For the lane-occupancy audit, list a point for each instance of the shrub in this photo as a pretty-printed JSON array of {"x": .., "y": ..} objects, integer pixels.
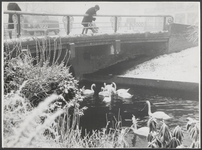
[
  {"x": 41, "y": 103},
  {"x": 193, "y": 33},
  {"x": 27, "y": 85}
]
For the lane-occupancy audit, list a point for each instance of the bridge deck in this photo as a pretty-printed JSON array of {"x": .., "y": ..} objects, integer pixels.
[{"x": 94, "y": 39}]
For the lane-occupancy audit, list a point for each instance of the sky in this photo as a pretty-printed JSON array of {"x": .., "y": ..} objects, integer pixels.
[
  {"x": 81, "y": 7},
  {"x": 106, "y": 8}
]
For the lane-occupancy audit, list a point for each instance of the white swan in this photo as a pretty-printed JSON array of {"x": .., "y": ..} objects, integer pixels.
[
  {"x": 104, "y": 92},
  {"x": 120, "y": 90},
  {"x": 108, "y": 87},
  {"x": 124, "y": 95},
  {"x": 143, "y": 131},
  {"x": 107, "y": 99},
  {"x": 191, "y": 120},
  {"x": 157, "y": 114},
  {"x": 89, "y": 92}
]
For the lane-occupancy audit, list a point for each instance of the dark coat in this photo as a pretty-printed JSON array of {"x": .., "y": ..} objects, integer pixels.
[
  {"x": 13, "y": 7},
  {"x": 91, "y": 12}
]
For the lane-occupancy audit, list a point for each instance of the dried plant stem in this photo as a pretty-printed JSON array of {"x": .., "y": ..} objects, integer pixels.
[
  {"x": 46, "y": 123},
  {"x": 55, "y": 50},
  {"x": 37, "y": 52},
  {"x": 29, "y": 120},
  {"x": 59, "y": 51},
  {"x": 66, "y": 52},
  {"x": 68, "y": 58}
]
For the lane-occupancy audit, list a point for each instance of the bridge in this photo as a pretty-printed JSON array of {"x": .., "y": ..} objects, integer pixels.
[{"x": 120, "y": 37}]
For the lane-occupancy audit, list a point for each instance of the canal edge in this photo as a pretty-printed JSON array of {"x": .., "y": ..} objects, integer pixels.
[{"x": 155, "y": 83}]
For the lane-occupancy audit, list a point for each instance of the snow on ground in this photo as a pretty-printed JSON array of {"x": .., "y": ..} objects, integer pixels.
[{"x": 181, "y": 66}]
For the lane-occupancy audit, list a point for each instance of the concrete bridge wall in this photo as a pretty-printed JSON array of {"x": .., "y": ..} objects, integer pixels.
[
  {"x": 88, "y": 54},
  {"x": 93, "y": 58}
]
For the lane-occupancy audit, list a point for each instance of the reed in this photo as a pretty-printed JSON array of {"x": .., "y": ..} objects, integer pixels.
[{"x": 24, "y": 130}]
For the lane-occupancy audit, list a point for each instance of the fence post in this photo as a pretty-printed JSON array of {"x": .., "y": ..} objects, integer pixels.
[
  {"x": 68, "y": 25},
  {"x": 115, "y": 24},
  {"x": 164, "y": 23},
  {"x": 18, "y": 26}
]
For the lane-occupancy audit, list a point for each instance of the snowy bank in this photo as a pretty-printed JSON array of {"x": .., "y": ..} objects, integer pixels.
[{"x": 181, "y": 66}]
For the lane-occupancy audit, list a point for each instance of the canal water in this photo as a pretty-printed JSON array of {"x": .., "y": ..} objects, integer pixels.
[{"x": 177, "y": 104}]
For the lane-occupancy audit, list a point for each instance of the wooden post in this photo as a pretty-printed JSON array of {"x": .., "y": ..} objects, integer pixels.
[
  {"x": 68, "y": 25},
  {"x": 115, "y": 24},
  {"x": 164, "y": 23},
  {"x": 168, "y": 46},
  {"x": 18, "y": 26}
]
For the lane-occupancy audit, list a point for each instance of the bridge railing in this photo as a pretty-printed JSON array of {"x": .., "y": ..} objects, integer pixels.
[{"x": 28, "y": 24}]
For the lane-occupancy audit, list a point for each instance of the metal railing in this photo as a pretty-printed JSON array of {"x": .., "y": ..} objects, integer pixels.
[{"x": 65, "y": 24}]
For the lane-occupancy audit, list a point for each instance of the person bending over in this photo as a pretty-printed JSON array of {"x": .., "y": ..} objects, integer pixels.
[{"x": 88, "y": 19}]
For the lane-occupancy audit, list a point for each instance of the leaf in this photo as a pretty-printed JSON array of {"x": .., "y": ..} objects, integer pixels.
[
  {"x": 152, "y": 124},
  {"x": 174, "y": 142},
  {"x": 194, "y": 133},
  {"x": 150, "y": 137},
  {"x": 165, "y": 133},
  {"x": 178, "y": 133}
]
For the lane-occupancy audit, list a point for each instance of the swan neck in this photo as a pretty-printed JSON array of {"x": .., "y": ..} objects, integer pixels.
[
  {"x": 114, "y": 85},
  {"x": 149, "y": 108},
  {"x": 92, "y": 87}
]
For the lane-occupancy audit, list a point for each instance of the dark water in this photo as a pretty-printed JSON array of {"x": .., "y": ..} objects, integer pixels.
[{"x": 177, "y": 104}]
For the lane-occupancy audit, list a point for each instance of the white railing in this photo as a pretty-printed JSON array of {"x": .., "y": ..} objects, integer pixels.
[{"x": 28, "y": 24}]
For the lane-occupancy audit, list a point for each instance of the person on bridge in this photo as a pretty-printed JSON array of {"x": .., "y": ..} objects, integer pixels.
[
  {"x": 88, "y": 19},
  {"x": 13, "y": 7}
]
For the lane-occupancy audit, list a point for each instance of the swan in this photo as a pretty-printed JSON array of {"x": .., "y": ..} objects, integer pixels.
[
  {"x": 103, "y": 92},
  {"x": 108, "y": 87},
  {"x": 191, "y": 120},
  {"x": 120, "y": 90},
  {"x": 124, "y": 95},
  {"x": 157, "y": 114},
  {"x": 89, "y": 92},
  {"x": 107, "y": 99},
  {"x": 143, "y": 131}
]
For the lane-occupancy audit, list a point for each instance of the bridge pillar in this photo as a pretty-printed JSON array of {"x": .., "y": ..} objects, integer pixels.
[
  {"x": 72, "y": 49},
  {"x": 117, "y": 46}
]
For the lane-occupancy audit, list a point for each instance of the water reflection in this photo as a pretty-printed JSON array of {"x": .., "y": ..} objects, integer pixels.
[{"x": 176, "y": 104}]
